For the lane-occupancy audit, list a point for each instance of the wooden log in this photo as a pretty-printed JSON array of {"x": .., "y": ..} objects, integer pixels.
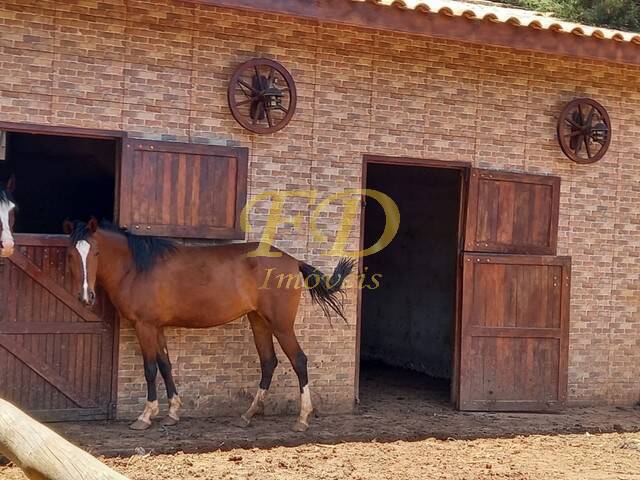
[{"x": 42, "y": 454}]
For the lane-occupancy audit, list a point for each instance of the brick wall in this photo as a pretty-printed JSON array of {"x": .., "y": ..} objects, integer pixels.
[{"x": 160, "y": 70}]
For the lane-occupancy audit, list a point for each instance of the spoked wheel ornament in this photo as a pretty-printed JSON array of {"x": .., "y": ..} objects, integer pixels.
[
  {"x": 262, "y": 96},
  {"x": 584, "y": 130}
]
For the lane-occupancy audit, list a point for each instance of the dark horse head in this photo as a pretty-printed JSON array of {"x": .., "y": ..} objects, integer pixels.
[{"x": 7, "y": 217}]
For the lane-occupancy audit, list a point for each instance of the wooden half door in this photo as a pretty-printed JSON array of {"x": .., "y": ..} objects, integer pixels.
[
  {"x": 514, "y": 320},
  {"x": 515, "y": 330},
  {"x": 56, "y": 356},
  {"x": 182, "y": 190},
  {"x": 512, "y": 213}
]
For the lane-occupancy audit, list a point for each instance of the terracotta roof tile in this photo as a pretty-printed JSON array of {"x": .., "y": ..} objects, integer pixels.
[{"x": 513, "y": 16}]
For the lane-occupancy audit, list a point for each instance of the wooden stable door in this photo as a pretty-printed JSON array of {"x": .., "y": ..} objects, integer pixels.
[
  {"x": 183, "y": 190},
  {"x": 514, "y": 322},
  {"x": 56, "y": 356},
  {"x": 514, "y": 332}
]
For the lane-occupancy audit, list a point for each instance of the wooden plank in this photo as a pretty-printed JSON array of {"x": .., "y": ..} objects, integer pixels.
[
  {"x": 167, "y": 189},
  {"x": 59, "y": 130},
  {"x": 36, "y": 274},
  {"x": 218, "y": 182},
  {"x": 125, "y": 181},
  {"x": 51, "y": 328},
  {"x": 508, "y": 259},
  {"x": 417, "y": 162},
  {"x": 206, "y": 193},
  {"x": 513, "y": 405},
  {"x": 512, "y": 213},
  {"x": 70, "y": 414},
  {"x": 231, "y": 187},
  {"x": 11, "y": 288},
  {"x": 186, "y": 231},
  {"x": 46, "y": 372},
  {"x": 181, "y": 188},
  {"x": 505, "y": 212},
  {"x": 514, "y": 332},
  {"x": 175, "y": 172},
  {"x": 565, "y": 309},
  {"x": 195, "y": 191}
]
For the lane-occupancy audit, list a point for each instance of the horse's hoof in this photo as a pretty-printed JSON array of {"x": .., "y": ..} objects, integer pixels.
[
  {"x": 241, "y": 422},
  {"x": 139, "y": 425},
  {"x": 169, "y": 421},
  {"x": 300, "y": 427}
]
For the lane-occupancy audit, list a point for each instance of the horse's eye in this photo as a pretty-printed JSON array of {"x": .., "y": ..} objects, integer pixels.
[{"x": 97, "y": 253}]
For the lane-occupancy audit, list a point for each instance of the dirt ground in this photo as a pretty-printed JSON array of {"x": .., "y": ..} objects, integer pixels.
[
  {"x": 575, "y": 457},
  {"x": 404, "y": 428}
]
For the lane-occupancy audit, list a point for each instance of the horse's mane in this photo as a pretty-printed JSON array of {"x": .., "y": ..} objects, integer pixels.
[{"x": 146, "y": 251}]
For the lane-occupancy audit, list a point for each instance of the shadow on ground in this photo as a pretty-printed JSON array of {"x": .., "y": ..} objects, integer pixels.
[{"x": 395, "y": 405}]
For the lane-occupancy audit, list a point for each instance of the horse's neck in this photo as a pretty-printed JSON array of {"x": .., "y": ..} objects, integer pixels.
[{"x": 115, "y": 262}]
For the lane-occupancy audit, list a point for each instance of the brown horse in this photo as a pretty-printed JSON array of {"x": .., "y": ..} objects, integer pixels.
[
  {"x": 155, "y": 284},
  {"x": 7, "y": 217}
]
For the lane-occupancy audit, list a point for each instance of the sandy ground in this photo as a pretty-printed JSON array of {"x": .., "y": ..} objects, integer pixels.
[
  {"x": 404, "y": 428},
  {"x": 579, "y": 457}
]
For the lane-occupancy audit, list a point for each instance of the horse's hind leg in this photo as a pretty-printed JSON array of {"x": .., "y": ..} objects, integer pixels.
[
  {"x": 289, "y": 343},
  {"x": 148, "y": 339},
  {"x": 164, "y": 365},
  {"x": 263, "y": 338}
]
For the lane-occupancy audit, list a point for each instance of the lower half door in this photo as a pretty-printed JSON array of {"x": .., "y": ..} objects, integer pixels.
[
  {"x": 514, "y": 332},
  {"x": 56, "y": 356}
]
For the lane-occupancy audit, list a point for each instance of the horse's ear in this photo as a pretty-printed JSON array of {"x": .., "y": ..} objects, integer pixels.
[
  {"x": 11, "y": 184},
  {"x": 92, "y": 224},
  {"x": 67, "y": 227}
]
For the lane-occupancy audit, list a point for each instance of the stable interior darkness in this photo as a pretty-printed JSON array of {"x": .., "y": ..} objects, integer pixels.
[
  {"x": 59, "y": 177},
  {"x": 408, "y": 321}
]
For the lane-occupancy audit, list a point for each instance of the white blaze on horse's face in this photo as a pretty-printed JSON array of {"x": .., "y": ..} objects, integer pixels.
[
  {"x": 6, "y": 238},
  {"x": 83, "y": 248}
]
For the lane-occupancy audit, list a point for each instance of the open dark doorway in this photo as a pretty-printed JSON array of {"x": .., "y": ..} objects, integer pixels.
[
  {"x": 407, "y": 324},
  {"x": 60, "y": 177},
  {"x": 61, "y": 172}
]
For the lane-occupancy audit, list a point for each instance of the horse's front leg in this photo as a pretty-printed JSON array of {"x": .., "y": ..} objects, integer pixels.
[
  {"x": 164, "y": 364},
  {"x": 148, "y": 339}
]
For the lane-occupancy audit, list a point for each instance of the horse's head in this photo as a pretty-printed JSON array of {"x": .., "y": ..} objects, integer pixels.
[
  {"x": 82, "y": 258},
  {"x": 7, "y": 217}
]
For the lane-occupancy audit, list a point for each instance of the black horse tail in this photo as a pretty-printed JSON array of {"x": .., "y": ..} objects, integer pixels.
[{"x": 326, "y": 291}]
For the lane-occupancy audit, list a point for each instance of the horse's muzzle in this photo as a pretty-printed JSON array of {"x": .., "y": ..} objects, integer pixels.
[
  {"x": 6, "y": 244},
  {"x": 89, "y": 300}
]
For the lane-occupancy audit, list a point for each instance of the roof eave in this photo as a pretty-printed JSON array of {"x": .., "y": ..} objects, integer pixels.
[{"x": 485, "y": 32}]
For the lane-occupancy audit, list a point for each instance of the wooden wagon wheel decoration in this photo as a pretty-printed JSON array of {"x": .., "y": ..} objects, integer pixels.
[
  {"x": 584, "y": 130},
  {"x": 262, "y": 95}
]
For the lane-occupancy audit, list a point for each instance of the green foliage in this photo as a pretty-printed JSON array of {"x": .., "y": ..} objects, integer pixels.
[{"x": 618, "y": 14}]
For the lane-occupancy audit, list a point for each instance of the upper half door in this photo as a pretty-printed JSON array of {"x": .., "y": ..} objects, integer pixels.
[
  {"x": 512, "y": 213},
  {"x": 514, "y": 332},
  {"x": 182, "y": 190}
]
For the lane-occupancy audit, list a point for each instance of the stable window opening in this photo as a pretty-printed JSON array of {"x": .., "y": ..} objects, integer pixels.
[{"x": 59, "y": 177}]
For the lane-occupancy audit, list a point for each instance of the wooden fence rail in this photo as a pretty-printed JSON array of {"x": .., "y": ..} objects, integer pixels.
[{"x": 42, "y": 454}]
